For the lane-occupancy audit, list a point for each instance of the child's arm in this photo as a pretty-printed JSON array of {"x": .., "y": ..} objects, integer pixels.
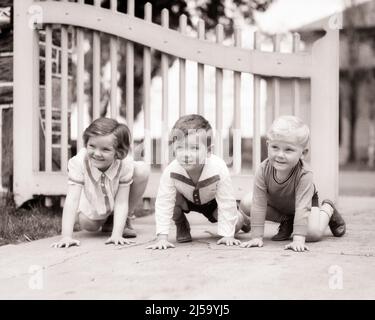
[
  {"x": 298, "y": 244},
  {"x": 226, "y": 208},
  {"x": 120, "y": 214},
  {"x": 258, "y": 211},
  {"x": 164, "y": 205},
  {"x": 255, "y": 242},
  {"x": 161, "y": 243},
  {"x": 304, "y": 193},
  {"x": 229, "y": 241},
  {"x": 69, "y": 217}
]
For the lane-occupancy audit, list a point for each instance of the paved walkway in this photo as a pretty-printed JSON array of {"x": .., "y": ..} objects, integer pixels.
[{"x": 336, "y": 268}]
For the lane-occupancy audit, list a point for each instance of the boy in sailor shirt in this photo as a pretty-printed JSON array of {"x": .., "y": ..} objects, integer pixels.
[{"x": 198, "y": 181}]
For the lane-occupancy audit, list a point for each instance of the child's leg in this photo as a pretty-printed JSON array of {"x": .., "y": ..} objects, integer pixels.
[
  {"x": 89, "y": 224},
  {"x": 243, "y": 221},
  {"x": 318, "y": 222},
  {"x": 245, "y": 204},
  {"x": 138, "y": 187},
  {"x": 180, "y": 208},
  {"x": 179, "y": 218}
]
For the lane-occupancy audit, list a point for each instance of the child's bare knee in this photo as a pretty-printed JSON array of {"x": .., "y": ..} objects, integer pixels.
[
  {"x": 314, "y": 235},
  {"x": 88, "y": 224},
  {"x": 141, "y": 171},
  {"x": 245, "y": 204}
]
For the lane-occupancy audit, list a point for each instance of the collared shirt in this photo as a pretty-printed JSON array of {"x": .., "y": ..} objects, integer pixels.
[
  {"x": 99, "y": 188},
  {"x": 290, "y": 197},
  {"x": 214, "y": 183}
]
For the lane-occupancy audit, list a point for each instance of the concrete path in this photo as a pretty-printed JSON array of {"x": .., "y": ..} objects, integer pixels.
[{"x": 336, "y": 268}]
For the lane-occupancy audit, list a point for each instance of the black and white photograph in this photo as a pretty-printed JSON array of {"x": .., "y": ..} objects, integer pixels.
[{"x": 201, "y": 151}]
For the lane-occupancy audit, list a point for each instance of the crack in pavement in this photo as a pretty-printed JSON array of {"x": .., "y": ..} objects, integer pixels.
[
  {"x": 136, "y": 244},
  {"x": 20, "y": 275}
]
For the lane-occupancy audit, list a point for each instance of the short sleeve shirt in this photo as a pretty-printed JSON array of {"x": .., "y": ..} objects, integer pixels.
[{"x": 99, "y": 188}]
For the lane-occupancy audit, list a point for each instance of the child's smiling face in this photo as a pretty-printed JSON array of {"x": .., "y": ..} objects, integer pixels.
[
  {"x": 285, "y": 154},
  {"x": 101, "y": 151},
  {"x": 191, "y": 150}
]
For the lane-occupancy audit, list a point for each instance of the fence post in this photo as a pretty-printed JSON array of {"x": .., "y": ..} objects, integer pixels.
[
  {"x": 24, "y": 99},
  {"x": 325, "y": 114}
]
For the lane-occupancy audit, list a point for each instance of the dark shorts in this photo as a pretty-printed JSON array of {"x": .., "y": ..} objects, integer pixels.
[{"x": 207, "y": 209}]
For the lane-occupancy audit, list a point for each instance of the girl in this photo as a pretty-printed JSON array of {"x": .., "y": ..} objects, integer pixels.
[{"x": 103, "y": 180}]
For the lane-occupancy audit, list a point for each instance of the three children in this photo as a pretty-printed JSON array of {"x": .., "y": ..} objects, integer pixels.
[{"x": 105, "y": 180}]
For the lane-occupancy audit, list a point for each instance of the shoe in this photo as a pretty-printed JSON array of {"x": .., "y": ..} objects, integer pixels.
[
  {"x": 246, "y": 227},
  {"x": 129, "y": 231},
  {"x": 285, "y": 229},
  {"x": 183, "y": 231},
  {"x": 336, "y": 223}
]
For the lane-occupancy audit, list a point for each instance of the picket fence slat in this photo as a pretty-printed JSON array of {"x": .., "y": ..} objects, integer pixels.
[
  {"x": 200, "y": 71},
  {"x": 276, "y": 81},
  {"x": 64, "y": 100},
  {"x": 256, "y": 114},
  {"x": 219, "y": 98},
  {"x": 182, "y": 71},
  {"x": 48, "y": 100},
  {"x": 80, "y": 86},
  {"x": 296, "y": 82},
  {"x": 130, "y": 76},
  {"x": 147, "y": 91},
  {"x": 237, "y": 137},
  {"x": 165, "y": 91}
]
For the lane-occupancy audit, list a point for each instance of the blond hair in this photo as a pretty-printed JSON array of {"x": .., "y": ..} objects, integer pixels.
[{"x": 286, "y": 127}]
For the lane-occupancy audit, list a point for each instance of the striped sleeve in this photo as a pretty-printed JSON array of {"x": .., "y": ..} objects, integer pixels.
[{"x": 127, "y": 171}]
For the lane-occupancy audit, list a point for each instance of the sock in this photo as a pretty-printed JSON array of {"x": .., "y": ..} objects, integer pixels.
[{"x": 327, "y": 209}]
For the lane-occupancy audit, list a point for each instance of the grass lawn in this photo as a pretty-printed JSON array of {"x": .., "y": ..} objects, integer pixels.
[{"x": 29, "y": 223}]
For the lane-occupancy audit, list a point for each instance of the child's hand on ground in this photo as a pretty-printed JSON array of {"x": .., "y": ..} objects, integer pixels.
[
  {"x": 229, "y": 241},
  {"x": 65, "y": 242},
  {"x": 118, "y": 240},
  {"x": 298, "y": 244},
  {"x": 161, "y": 244},
  {"x": 256, "y": 242}
]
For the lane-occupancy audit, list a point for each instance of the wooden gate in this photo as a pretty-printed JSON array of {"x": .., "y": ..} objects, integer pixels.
[{"x": 43, "y": 116}]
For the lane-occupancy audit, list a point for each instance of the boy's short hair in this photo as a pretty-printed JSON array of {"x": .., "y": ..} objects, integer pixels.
[
  {"x": 285, "y": 127},
  {"x": 106, "y": 126},
  {"x": 188, "y": 124}
]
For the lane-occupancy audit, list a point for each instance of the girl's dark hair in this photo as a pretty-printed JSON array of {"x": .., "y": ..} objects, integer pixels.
[{"x": 106, "y": 126}]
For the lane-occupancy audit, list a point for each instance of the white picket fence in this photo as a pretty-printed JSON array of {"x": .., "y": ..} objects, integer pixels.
[{"x": 76, "y": 19}]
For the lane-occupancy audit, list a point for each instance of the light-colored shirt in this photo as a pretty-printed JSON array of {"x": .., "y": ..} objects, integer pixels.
[
  {"x": 290, "y": 197},
  {"x": 99, "y": 188},
  {"x": 214, "y": 183}
]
